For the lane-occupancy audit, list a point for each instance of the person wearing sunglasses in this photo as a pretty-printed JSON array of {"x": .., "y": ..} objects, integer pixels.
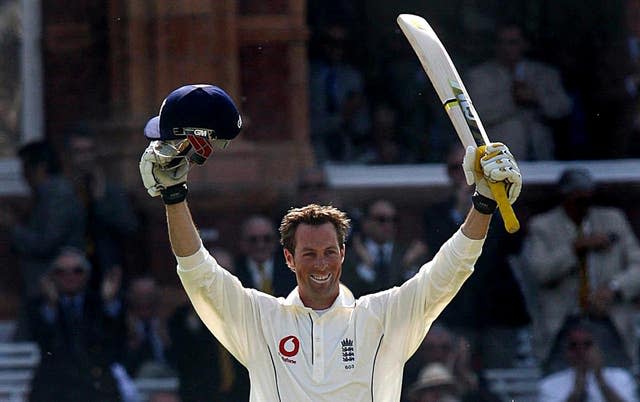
[
  {"x": 78, "y": 332},
  {"x": 258, "y": 264},
  {"x": 587, "y": 378},
  {"x": 377, "y": 259}
]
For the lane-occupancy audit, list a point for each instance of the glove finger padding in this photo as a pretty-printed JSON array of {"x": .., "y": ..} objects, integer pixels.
[
  {"x": 493, "y": 163},
  {"x": 159, "y": 172},
  {"x": 499, "y": 165}
]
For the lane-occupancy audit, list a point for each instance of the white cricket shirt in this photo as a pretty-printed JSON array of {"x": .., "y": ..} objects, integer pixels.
[{"x": 355, "y": 351}]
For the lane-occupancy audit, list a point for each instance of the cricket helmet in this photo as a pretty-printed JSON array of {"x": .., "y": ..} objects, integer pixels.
[{"x": 203, "y": 115}]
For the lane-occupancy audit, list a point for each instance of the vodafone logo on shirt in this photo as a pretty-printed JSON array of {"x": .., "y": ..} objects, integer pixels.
[{"x": 288, "y": 348}]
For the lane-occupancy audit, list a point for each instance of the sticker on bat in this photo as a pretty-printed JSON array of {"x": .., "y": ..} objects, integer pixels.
[{"x": 466, "y": 107}]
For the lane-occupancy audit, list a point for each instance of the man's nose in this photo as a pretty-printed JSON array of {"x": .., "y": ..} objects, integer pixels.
[{"x": 321, "y": 263}]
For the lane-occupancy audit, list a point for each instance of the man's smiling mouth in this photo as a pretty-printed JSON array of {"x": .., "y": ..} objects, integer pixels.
[{"x": 321, "y": 278}]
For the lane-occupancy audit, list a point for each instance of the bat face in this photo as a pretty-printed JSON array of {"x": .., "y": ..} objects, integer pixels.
[{"x": 454, "y": 97}]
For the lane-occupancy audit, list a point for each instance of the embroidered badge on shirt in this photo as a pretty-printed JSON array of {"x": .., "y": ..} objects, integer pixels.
[{"x": 348, "y": 354}]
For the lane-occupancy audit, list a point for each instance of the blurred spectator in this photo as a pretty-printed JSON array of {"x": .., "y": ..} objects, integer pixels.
[
  {"x": 206, "y": 370},
  {"x": 147, "y": 336},
  {"x": 423, "y": 128},
  {"x": 441, "y": 346},
  {"x": 340, "y": 120},
  {"x": 312, "y": 187},
  {"x": 78, "y": 331},
  {"x": 587, "y": 378},
  {"x": 614, "y": 92},
  {"x": 517, "y": 97},
  {"x": 584, "y": 259},
  {"x": 377, "y": 259},
  {"x": 441, "y": 220},
  {"x": 386, "y": 145},
  {"x": 434, "y": 384},
  {"x": 56, "y": 218},
  {"x": 444, "y": 218},
  {"x": 490, "y": 308},
  {"x": 110, "y": 216},
  {"x": 10, "y": 76},
  {"x": 164, "y": 396},
  {"x": 259, "y": 264}
]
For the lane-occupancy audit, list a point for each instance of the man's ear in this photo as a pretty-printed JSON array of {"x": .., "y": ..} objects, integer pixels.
[{"x": 288, "y": 257}]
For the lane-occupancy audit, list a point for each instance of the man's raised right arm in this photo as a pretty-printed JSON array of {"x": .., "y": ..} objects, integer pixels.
[{"x": 183, "y": 235}]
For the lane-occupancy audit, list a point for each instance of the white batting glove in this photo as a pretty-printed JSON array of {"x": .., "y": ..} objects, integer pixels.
[
  {"x": 162, "y": 174},
  {"x": 496, "y": 164}
]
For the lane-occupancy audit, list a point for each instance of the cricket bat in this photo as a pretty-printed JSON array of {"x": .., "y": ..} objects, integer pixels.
[{"x": 454, "y": 97}]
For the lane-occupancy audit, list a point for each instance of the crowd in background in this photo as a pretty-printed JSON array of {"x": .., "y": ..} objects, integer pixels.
[
  {"x": 548, "y": 90},
  {"x": 562, "y": 297}
]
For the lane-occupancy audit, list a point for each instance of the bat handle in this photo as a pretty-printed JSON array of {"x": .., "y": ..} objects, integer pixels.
[{"x": 511, "y": 223}]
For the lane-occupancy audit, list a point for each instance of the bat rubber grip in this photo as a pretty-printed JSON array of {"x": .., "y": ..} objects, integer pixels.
[
  {"x": 511, "y": 223},
  {"x": 499, "y": 192}
]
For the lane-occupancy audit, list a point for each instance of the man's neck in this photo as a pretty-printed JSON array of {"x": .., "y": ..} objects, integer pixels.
[{"x": 318, "y": 304}]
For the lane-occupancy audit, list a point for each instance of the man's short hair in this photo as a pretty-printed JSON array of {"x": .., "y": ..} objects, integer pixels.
[
  {"x": 316, "y": 215},
  {"x": 38, "y": 152}
]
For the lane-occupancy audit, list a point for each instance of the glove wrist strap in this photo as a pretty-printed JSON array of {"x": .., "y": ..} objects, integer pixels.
[
  {"x": 174, "y": 194},
  {"x": 484, "y": 205}
]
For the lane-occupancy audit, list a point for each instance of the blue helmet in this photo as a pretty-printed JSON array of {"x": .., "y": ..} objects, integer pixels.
[{"x": 203, "y": 114}]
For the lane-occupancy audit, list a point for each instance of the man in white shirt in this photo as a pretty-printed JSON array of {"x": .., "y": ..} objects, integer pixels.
[
  {"x": 319, "y": 343},
  {"x": 586, "y": 379}
]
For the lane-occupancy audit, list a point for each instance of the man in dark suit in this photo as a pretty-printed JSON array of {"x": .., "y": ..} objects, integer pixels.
[
  {"x": 78, "y": 333},
  {"x": 489, "y": 310},
  {"x": 259, "y": 265},
  {"x": 378, "y": 260}
]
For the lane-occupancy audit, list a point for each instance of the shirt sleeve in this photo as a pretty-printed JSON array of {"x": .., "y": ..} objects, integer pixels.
[
  {"x": 411, "y": 308},
  {"x": 622, "y": 383},
  {"x": 222, "y": 303}
]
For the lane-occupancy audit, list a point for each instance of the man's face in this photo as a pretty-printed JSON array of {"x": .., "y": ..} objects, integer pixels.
[
  {"x": 454, "y": 167},
  {"x": 579, "y": 344},
  {"x": 380, "y": 224},
  {"x": 511, "y": 45},
  {"x": 579, "y": 201},
  {"x": 317, "y": 262},
  {"x": 437, "y": 347},
  {"x": 143, "y": 299},
  {"x": 83, "y": 154},
  {"x": 69, "y": 275},
  {"x": 633, "y": 16},
  {"x": 258, "y": 240}
]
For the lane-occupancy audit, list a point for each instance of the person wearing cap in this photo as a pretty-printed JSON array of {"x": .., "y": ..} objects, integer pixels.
[
  {"x": 585, "y": 261},
  {"x": 320, "y": 343},
  {"x": 434, "y": 384}
]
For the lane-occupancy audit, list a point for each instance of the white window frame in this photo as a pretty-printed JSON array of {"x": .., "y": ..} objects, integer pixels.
[{"x": 32, "y": 110}]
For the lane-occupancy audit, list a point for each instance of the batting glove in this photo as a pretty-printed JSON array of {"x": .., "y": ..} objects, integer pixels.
[
  {"x": 495, "y": 163},
  {"x": 163, "y": 173}
]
